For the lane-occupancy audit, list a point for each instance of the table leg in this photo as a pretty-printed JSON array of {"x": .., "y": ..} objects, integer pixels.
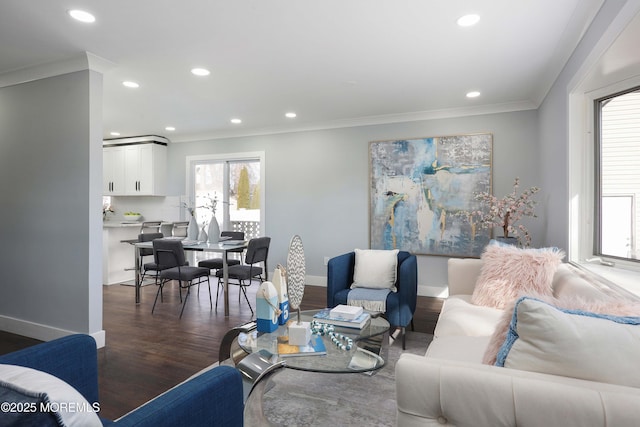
[
  {"x": 138, "y": 276},
  {"x": 225, "y": 282}
]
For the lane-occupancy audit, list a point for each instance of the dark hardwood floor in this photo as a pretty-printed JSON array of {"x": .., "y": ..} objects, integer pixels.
[{"x": 147, "y": 354}]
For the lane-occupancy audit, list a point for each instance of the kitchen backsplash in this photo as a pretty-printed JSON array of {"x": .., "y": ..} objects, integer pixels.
[{"x": 151, "y": 208}]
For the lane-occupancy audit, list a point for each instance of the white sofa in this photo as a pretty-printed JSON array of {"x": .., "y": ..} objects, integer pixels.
[{"x": 451, "y": 386}]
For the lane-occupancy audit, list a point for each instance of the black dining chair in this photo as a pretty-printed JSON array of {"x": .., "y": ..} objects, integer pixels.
[
  {"x": 143, "y": 252},
  {"x": 179, "y": 229},
  {"x": 169, "y": 255},
  {"x": 257, "y": 252},
  {"x": 216, "y": 263}
]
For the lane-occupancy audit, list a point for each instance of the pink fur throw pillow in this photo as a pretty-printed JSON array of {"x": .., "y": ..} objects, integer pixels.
[
  {"x": 508, "y": 271},
  {"x": 608, "y": 305}
]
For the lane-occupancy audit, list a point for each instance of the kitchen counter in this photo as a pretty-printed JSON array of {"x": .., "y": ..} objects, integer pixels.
[
  {"x": 121, "y": 224},
  {"x": 117, "y": 254}
]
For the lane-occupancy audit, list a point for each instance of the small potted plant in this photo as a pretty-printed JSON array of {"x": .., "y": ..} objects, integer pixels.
[
  {"x": 507, "y": 211},
  {"x": 105, "y": 210}
]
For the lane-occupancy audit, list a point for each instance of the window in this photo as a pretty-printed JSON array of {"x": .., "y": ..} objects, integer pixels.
[
  {"x": 617, "y": 189},
  {"x": 236, "y": 183}
]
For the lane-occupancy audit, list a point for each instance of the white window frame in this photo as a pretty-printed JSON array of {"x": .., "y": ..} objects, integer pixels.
[
  {"x": 192, "y": 161},
  {"x": 582, "y": 191}
]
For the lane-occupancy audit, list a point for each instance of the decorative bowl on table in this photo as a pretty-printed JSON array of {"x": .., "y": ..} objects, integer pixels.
[{"x": 132, "y": 217}]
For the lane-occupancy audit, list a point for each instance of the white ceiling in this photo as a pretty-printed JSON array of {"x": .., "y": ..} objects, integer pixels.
[{"x": 334, "y": 62}]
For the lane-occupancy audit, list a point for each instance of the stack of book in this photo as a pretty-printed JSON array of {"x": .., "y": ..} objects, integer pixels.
[
  {"x": 345, "y": 318},
  {"x": 348, "y": 312}
]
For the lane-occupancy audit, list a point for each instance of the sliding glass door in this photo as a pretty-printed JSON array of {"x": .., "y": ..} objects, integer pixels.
[{"x": 234, "y": 185}]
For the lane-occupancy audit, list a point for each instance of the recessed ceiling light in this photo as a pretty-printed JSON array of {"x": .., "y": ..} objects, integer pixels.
[
  {"x": 170, "y": 128},
  {"x": 468, "y": 20},
  {"x": 291, "y": 115},
  {"x": 130, "y": 84},
  {"x": 473, "y": 94},
  {"x": 236, "y": 121},
  {"x": 200, "y": 71},
  {"x": 82, "y": 16},
  {"x": 114, "y": 133}
]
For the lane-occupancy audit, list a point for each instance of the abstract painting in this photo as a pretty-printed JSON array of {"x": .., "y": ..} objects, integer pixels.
[{"x": 422, "y": 194}]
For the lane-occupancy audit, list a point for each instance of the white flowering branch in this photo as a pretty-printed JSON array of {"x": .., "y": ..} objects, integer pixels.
[
  {"x": 211, "y": 203},
  {"x": 189, "y": 208},
  {"x": 506, "y": 212}
]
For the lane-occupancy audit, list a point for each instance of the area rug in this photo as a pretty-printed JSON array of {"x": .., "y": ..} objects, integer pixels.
[{"x": 303, "y": 399}]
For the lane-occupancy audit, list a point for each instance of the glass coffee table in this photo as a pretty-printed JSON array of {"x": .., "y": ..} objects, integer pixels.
[
  {"x": 255, "y": 355},
  {"x": 368, "y": 352}
]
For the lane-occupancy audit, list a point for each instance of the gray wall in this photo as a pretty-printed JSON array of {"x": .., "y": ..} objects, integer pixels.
[
  {"x": 317, "y": 182},
  {"x": 50, "y": 185}
]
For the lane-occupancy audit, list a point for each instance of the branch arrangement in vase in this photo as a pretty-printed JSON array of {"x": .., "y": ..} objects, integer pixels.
[{"x": 507, "y": 211}]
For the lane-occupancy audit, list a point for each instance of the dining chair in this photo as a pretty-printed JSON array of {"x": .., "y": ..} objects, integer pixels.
[
  {"x": 150, "y": 227},
  {"x": 243, "y": 274},
  {"x": 216, "y": 263},
  {"x": 170, "y": 257},
  {"x": 142, "y": 252},
  {"x": 179, "y": 228}
]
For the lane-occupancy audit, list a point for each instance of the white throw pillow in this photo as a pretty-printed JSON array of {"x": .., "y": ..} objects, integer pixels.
[
  {"x": 71, "y": 408},
  {"x": 572, "y": 343},
  {"x": 375, "y": 269}
]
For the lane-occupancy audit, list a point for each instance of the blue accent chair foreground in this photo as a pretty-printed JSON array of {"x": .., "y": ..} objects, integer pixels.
[
  {"x": 213, "y": 398},
  {"x": 400, "y": 305}
]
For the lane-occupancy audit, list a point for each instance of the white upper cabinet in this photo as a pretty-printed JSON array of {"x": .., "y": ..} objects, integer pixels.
[
  {"x": 134, "y": 169},
  {"x": 113, "y": 171}
]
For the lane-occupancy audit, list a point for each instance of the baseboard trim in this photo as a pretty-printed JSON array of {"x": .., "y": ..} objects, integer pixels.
[
  {"x": 315, "y": 281},
  {"x": 433, "y": 291},
  {"x": 42, "y": 332}
]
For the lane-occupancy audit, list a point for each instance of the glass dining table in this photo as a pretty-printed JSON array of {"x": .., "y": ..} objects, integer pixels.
[{"x": 223, "y": 248}]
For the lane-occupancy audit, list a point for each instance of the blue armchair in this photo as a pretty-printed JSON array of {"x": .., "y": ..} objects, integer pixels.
[
  {"x": 213, "y": 398},
  {"x": 400, "y": 305}
]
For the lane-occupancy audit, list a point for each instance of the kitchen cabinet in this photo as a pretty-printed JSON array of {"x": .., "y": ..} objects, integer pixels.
[
  {"x": 113, "y": 171},
  {"x": 135, "y": 169}
]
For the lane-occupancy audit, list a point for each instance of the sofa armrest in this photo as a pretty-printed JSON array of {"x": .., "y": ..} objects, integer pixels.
[
  {"x": 213, "y": 398},
  {"x": 408, "y": 287},
  {"x": 72, "y": 359},
  {"x": 433, "y": 391},
  {"x": 462, "y": 275},
  {"x": 339, "y": 275}
]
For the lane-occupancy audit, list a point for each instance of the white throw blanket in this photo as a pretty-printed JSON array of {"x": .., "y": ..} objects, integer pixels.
[{"x": 369, "y": 299}]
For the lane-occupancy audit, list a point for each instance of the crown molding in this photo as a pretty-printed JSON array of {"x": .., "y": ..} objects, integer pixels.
[
  {"x": 85, "y": 61},
  {"x": 361, "y": 121}
]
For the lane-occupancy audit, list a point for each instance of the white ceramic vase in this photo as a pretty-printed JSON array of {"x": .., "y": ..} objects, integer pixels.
[
  {"x": 202, "y": 237},
  {"x": 192, "y": 229},
  {"x": 513, "y": 241},
  {"x": 214, "y": 231}
]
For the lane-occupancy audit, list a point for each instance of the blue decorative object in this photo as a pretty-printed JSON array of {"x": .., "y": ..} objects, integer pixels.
[
  {"x": 280, "y": 283},
  {"x": 341, "y": 341},
  {"x": 267, "y": 311},
  {"x": 322, "y": 329}
]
